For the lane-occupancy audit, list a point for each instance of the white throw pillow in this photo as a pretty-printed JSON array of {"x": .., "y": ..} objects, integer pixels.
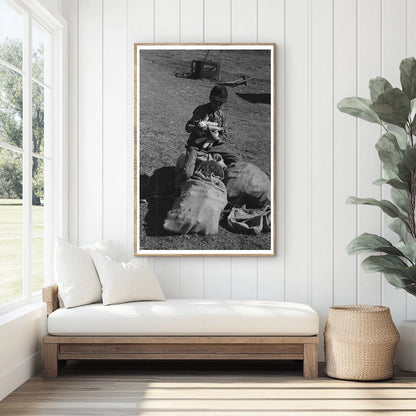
[
  {"x": 103, "y": 247},
  {"x": 126, "y": 282},
  {"x": 75, "y": 273}
]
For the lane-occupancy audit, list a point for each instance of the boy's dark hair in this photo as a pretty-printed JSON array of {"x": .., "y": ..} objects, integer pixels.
[{"x": 220, "y": 93}]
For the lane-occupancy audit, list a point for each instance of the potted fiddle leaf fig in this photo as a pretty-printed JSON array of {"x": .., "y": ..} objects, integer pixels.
[{"x": 394, "y": 109}]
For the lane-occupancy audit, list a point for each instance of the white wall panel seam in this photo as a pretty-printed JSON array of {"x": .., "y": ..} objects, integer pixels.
[
  {"x": 284, "y": 138},
  {"x": 77, "y": 131},
  {"x": 180, "y": 271},
  {"x": 257, "y": 282},
  {"x": 284, "y": 144},
  {"x": 154, "y": 21},
  {"x": 231, "y": 276},
  {"x": 203, "y": 41},
  {"x": 332, "y": 153},
  {"x": 257, "y": 21},
  {"x": 127, "y": 167},
  {"x": 257, "y": 40},
  {"x": 203, "y": 278},
  {"x": 102, "y": 119},
  {"x": 309, "y": 152},
  {"x": 380, "y": 132},
  {"x": 231, "y": 21},
  {"x": 356, "y": 148},
  {"x": 382, "y": 73},
  {"x": 180, "y": 27},
  {"x": 406, "y": 28}
]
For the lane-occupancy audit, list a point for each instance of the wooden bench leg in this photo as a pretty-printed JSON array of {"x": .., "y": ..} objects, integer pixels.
[
  {"x": 310, "y": 360},
  {"x": 50, "y": 360}
]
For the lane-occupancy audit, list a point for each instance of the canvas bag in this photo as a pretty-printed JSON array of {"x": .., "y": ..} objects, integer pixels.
[
  {"x": 199, "y": 206},
  {"x": 247, "y": 185},
  {"x": 251, "y": 221}
]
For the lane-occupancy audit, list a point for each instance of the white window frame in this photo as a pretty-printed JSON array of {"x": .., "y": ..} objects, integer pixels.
[{"x": 58, "y": 213}]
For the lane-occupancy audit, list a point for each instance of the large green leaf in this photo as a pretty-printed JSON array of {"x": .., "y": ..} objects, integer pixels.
[
  {"x": 385, "y": 262},
  {"x": 410, "y": 158},
  {"x": 400, "y": 228},
  {"x": 401, "y": 137},
  {"x": 394, "y": 269},
  {"x": 380, "y": 182},
  {"x": 388, "y": 207},
  {"x": 400, "y": 198},
  {"x": 391, "y": 174},
  {"x": 359, "y": 107},
  {"x": 397, "y": 280},
  {"x": 408, "y": 77},
  {"x": 398, "y": 184},
  {"x": 408, "y": 249},
  {"x": 404, "y": 173},
  {"x": 395, "y": 183},
  {"x": 411, "y": 289},
  {"x": 366, "y": 243},
  {"x": 378, "y": 86},
  {"x": 392, "y": 107},
  {"x": 389, "y": 151},
  {"x": 411, "y": 273}
]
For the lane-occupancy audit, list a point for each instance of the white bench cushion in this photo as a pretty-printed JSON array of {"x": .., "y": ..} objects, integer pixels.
[{"x": 185, "y": 317}]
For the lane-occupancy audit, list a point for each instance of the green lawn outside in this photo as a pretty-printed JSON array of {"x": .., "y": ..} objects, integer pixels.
[{"x": 11, "y": 249}]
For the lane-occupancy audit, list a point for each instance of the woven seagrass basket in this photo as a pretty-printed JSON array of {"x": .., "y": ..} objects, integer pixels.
[{"x": 360, "y": 341}]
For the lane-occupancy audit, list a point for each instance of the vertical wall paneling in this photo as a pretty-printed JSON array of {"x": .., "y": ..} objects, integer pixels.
[
  {"x": 217, "y": 271},
  {"x": 192, "y": 21},
  {"x": 167, "y": 270},
  {"x": 192, "y": 30},
  {"x": 368, "y": 162},
  {"x": 70, "y": 11},
  {"x": 393, "y": 51},
  {"x": 167, "y": 29},
  {"x": 90, "y": 128},
  {"x": 115, "y": 156},
  {"x": 296, "y": 152},
  {"x": 271, "y": 29},
  {"x": 167, "y": 20},
  {"x": 244, "y": 278},
  {"x": 326, "y": 50},
  {"x": 345, "y": 151},
  {"x": 140, "y": 20},
  {"x": 217, "y": 278},
  {"x": 192, "y": 278},
  {"x": 218, "y": 11},
  {"x": 322, "y": 111},
  {"x": 411, "y": 51},
  {"x": 244, "y": 21},
  {"x": 244, "y": 30}
]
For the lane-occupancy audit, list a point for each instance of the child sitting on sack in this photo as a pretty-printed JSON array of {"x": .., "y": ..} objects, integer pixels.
[{"x": 208, "y": 133}]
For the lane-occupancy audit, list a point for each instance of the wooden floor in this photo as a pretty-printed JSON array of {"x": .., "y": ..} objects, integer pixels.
[{"x": 227, "y": 389}]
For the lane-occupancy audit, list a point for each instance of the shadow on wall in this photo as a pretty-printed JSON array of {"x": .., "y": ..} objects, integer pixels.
[{"x": 263, "y": 98}]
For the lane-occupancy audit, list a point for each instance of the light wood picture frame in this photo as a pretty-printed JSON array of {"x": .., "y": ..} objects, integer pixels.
[{"x": 200, "y": 101}]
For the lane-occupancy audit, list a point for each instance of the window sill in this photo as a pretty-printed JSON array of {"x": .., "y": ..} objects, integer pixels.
[{"x": 33, "y": 307}]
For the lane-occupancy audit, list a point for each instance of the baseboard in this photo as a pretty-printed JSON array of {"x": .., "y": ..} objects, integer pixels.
[{"x": 10, "y": 380}]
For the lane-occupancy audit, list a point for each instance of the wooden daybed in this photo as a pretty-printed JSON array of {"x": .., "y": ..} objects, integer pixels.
[{"x": 247, "y": 346}]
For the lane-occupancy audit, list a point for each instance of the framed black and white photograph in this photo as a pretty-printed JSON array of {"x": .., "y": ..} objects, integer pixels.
[{"x": 204, "y": 120}]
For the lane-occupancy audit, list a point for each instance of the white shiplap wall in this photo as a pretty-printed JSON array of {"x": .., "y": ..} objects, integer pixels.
[{"x": 326, "y": 50}]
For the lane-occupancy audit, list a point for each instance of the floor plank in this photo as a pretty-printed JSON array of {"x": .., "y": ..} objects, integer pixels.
[{"x": 227, "y": 389}]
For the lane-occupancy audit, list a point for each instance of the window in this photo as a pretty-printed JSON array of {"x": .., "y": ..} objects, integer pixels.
[{"x": 31, "y": 141}]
